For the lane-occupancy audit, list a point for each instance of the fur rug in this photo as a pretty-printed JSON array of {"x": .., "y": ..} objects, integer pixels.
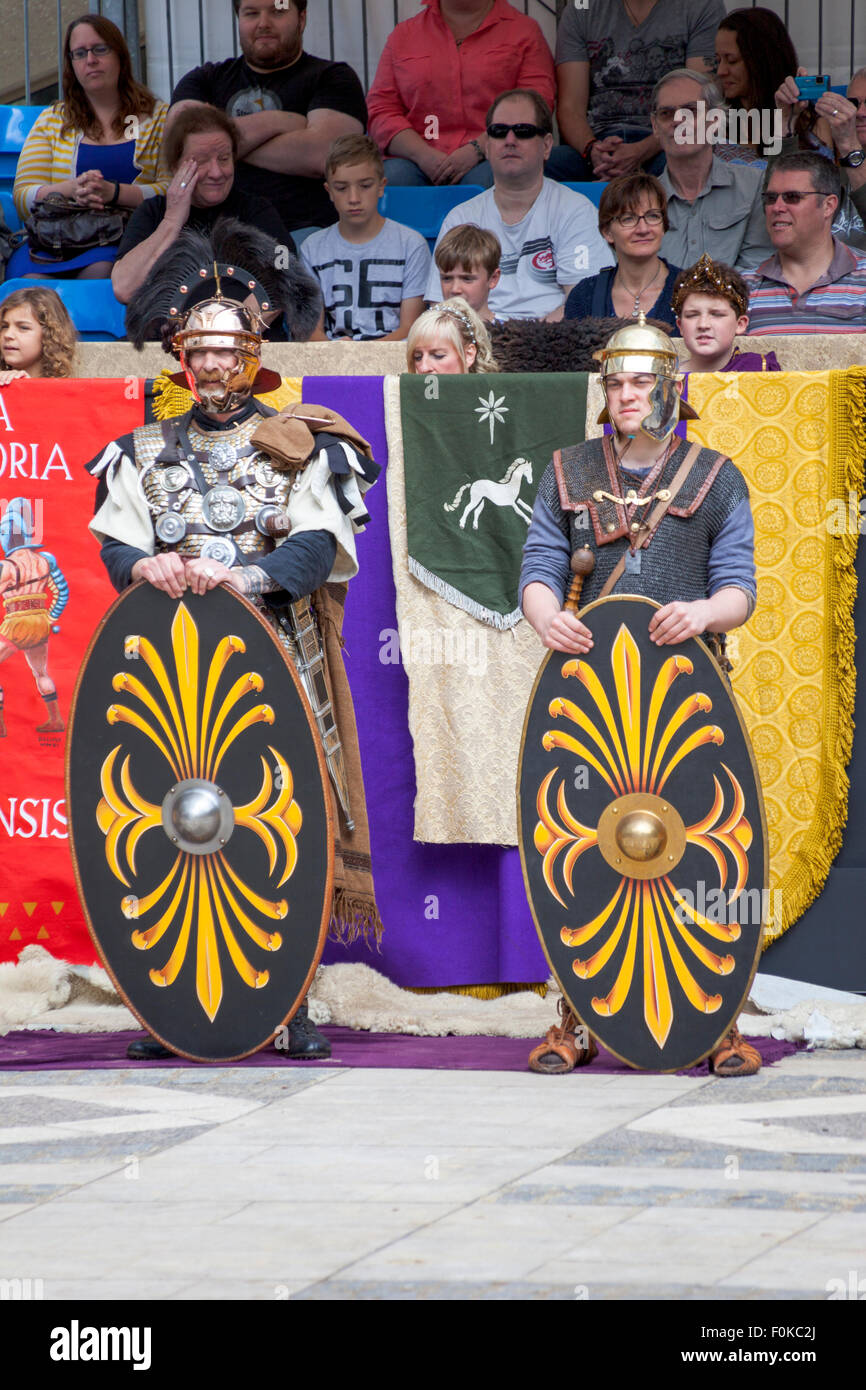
[
  {"x": 530, "y": 345},
  {"x": 359, "y": 997},
  {"x": 41, "y": 992}
]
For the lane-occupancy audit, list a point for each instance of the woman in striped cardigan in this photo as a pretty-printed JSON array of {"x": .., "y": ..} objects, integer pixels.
[{"x": 100, "y": 145}]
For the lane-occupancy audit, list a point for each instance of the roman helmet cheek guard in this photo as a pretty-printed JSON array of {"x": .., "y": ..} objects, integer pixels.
[
  {"x": 226, "y": 326},
  {"x": 640, "y": 348}
]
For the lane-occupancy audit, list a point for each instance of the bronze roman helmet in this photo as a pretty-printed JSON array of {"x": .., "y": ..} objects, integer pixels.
[
  {"x": 640, "y": 348},
  {"x": 221, "y": 324}
]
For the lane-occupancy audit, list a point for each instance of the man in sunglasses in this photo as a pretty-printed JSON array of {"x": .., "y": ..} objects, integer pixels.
[
  {"x": 548, "y": 233},
  {"x": 813, "y": 283},
  {"x": 846, "y": 117}
]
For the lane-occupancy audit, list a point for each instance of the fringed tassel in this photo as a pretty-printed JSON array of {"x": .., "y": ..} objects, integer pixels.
[
  {"x": 502, "y": 621},
  {"x": 848, "y": 434},
  {"x": 483, "y": 991},
  {"x": 170, "y": 400},
  {"x": 354, "y": 919}
]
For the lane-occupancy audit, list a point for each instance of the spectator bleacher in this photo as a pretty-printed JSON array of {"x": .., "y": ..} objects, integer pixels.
[
  {"x": 91, "y": 305},
  {"x": 422, "y": 208},
  {"x": 15, "y": 125},
  {"x": 592, "y": 191},
  {"x": 95, "y": 310}
]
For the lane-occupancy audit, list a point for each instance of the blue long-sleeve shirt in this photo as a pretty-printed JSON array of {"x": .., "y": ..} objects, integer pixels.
[{"x": 301, "y": 564}]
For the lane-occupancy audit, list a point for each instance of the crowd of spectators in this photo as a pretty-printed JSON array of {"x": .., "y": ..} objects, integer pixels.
[{"x": 773, "y": 192}]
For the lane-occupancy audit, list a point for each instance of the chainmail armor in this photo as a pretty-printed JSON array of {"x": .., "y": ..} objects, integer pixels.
[{"x": 674, "y": 564}]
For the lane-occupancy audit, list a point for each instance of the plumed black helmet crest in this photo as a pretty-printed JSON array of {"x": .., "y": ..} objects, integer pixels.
[{"x": 234, "y": 261}]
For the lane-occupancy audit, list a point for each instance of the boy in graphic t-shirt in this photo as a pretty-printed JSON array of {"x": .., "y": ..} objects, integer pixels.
[{"x": 372, "y": 271}]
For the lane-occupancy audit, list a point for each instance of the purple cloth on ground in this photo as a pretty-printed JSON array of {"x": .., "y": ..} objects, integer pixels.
[
  {"x": 483, "y": 932},
  {"x": 45, "y": 1050}
]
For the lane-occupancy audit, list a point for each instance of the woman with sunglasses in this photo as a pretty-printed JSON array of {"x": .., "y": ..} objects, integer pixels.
[
  {"x": 437, "y": 76},
  {"x": 99, "y": 146},
  {"x": 632, "y": 218}
]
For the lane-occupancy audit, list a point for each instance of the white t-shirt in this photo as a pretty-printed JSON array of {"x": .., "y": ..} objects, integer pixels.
[
  {"x": 364, "y": 283},
  {"x": 556, "y": 244}
]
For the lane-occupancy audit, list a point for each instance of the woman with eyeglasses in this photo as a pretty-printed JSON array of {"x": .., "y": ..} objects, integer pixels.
[
  {"x": 99, "y": 146},
  {"x": 632, "y": 218}
]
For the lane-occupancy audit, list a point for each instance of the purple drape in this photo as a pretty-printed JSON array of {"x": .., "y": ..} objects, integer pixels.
[{"x": 453, "y": 914}]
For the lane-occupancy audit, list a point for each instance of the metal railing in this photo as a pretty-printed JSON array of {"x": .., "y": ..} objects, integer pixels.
[{"x": 182, "y": 34}]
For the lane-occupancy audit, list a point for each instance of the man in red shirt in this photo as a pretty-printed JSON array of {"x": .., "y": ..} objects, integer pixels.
[{"x": 437, "y": 76}]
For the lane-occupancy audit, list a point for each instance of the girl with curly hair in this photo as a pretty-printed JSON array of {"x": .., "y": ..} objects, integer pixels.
[
  {"x": 449, "y": 339},
  {"x": 37, "y": 336}
]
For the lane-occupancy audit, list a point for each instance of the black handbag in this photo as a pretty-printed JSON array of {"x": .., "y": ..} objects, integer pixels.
[{"x": 59, "y": 228}]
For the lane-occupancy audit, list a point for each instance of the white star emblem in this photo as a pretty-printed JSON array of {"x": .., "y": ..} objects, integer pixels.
[{"x": 493, "y": 410}]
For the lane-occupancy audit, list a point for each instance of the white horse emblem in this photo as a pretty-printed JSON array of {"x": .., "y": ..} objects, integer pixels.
[{"x": 501, "y": 494}]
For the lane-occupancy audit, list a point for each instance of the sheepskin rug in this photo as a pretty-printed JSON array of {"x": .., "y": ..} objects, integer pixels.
[{"x": 41, "y": 992}]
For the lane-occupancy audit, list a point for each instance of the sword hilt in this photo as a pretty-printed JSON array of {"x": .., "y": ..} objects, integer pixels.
[{"x": 582, "y": 566}]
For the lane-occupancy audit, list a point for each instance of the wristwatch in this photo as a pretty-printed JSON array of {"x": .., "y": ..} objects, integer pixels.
[
  {"x": 476, "y": 145},
  {"x": 853, "y": 160}
]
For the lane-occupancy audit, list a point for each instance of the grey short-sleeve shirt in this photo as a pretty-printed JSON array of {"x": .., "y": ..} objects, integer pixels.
[{"x": 626, "y": 60}]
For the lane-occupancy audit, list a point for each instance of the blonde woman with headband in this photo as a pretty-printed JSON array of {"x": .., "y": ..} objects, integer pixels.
[{"x": 448, "y": 340}]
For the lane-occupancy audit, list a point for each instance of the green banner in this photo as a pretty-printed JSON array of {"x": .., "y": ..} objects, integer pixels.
[{"x": 474, "y": 450}]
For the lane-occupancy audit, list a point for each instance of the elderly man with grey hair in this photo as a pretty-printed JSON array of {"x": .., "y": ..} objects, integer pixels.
[{"x": 713, "y": 207}]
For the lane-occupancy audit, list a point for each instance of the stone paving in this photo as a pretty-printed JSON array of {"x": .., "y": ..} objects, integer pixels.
[{"x": 432, "y": 1185}]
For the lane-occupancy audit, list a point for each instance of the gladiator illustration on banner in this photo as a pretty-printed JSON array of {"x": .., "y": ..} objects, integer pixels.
[{"x": 34, "y": 593}]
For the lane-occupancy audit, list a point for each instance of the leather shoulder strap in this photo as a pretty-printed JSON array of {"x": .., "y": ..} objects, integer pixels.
[{"x": 656, "y": 516}]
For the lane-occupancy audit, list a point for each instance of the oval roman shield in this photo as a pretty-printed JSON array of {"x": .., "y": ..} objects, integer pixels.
[
  {"x": 199, "y": 820},
  {"x": 643, "y": 839}
]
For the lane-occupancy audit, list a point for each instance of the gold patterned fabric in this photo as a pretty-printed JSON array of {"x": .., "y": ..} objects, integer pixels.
[{"x": 798, "y": 437}]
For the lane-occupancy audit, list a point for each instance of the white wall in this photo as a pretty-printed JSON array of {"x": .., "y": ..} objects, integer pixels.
[{"x": 349, "y": 43}]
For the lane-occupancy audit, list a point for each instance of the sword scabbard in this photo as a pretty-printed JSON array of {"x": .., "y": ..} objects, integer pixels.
[{"x": 303, "y": 630}]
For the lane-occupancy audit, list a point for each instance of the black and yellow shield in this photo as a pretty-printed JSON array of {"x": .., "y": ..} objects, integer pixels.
[
  {"x": 199, "y": 820},
  {"x": 642, "y": 839}
]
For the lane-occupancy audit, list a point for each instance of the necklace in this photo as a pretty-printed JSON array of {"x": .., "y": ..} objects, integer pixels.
[
  {"x": 475, "y": 25},
  {"x": 637, "y": 299}
]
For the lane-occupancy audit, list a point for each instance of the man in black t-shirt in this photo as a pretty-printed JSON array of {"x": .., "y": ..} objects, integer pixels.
[{"x": 288, "y": 108}]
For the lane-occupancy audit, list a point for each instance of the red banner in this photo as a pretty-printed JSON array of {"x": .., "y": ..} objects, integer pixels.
[{"x": 52, "y": 583}]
